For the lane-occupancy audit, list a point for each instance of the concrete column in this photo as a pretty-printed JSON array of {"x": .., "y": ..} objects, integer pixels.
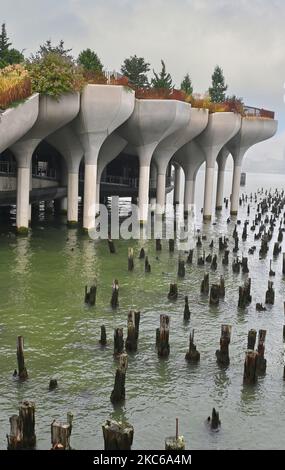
[
  {"x": 143, "y": 192},
  {"x": 235, "y": 189},
  {"x": 23, "y": 193},
  {"x": 72, "y": 198},
  {"x": 89, "y": 209},
  {"x": 220, "y": 189},
  {"x": 160, "y": 193},
  {"x": 177, "y": 185},
  {"x": 189, "y": 194},
  {"x": 208, "y": 192}
]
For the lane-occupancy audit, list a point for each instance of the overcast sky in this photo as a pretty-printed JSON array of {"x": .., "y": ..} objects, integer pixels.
[{"x": 245, "y": 37}]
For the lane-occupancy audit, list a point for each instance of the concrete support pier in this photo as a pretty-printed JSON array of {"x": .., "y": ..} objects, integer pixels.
[{"x": 221, "y": 161}]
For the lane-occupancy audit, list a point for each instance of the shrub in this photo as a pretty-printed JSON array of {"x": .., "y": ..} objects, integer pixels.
[
  {"x": 53, "y": 75},
  {"x": 15, "y": 85}
]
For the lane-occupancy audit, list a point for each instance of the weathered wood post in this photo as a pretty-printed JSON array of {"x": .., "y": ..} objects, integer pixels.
[
  {"x": 244, "y": 264},
  {"x": 103, "y": 337},
  {"x": 205, "y": 284},
  {"x": 190, "y": 257},
  {"x": 142, "y": 254},
  {"x": 261, "y": 361},
  {"x": 119, "y": 392},
  {"x": 225, "y": 260},
  {"x": 118, "y": 341},
  {"x": 133, "y": 331},
  {"x": 163, "y": 348},
  {"x": 111, "y": 246},
  {"x": 283, "y": 264},
  {"x": 214, "y": 263},
  {"x": 175, "y": 442},
  {"x": 22, "y": 428},
  {"x": 171, "y": 245},
  {"x": 192, "y": 354},
  {"x": 158, "y": 244},
  {"x": 251, "y": 338},
  {"x": 214, "y": 294},
  {"x": 250, "y": 365},
  {"x": 60, "y": 434},
  {"x": 52, "y": 384},
  {"x": 181, "y": 268},
  {"x": 222, "y": 290},
  {"x": 214, "y": 421},
  {"x": 187, "y": 312},
  {"x": 115, "y": 294},
  {"x": 270, "y": 294},
  {"x": 22, "y": 371},
  {"x": 90, "y": 297},
  {"x": 223, "y": 353},
  {"x": 117, "y": 435},
  {"x": 147, "y": 266},
  {"x": 130, "y": 259},
  {"x": 173, "y": 292}
]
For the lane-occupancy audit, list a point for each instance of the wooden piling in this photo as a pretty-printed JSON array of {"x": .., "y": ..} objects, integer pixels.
[
  {"x": 111, "y": 246},
  {"x": 119, "y": 392},
  {"x": 190, "y": 258},
  {"x": 117, "y": 435},
  {"x": 115, "y": 294},
  {"x": 52, "y": 384},
  {"x": 163, "y": 348},
  {"x": 103, "y": 337},
  {"x": 214, "y": 421},
  {"x": 130, "y": 259},
  {"x": 175, "y": 442},
  {"x": 251, "y": 338},
  {"x": 118, "y": 341},
  {"x": 173, "y": 292},
  {"x": 214, "y": 263},
  {"x": 214, "y": 294},
  {"x": 261, "y": 361},
  {"x": 147, "y": 266},
  {"x": 192, "y": 354},
  {"x": 187, "y": 312},
  {"x": 22, "y": 371},
  {"x": 181, "y": 268},
  {"x": 90, "y": 297},
  {"x": 270, "y": 294},
  {"x": 158, "y": 246},
  {"x": 250, "y": 367},
  {"x": 222, "y": 354},
  {"x": 22, "y": 428},
  {"x": 133, "y": 331},
  {"x": 142, "y": 254},
  {"x": 205, "y": 284},
  {"x": 60, "y": 434}
]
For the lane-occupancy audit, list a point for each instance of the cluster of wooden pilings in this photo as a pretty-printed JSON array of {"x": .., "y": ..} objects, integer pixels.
[{"x": 119, "y": 435}]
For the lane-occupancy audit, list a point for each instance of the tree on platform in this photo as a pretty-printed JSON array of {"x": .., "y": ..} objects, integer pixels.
[
  {"x": 135, "y": 69},
  {"x": 218, "y": 88},
  {"x": 186, "y": 85},
  {"x": 8, "y": 56},
  {"x": 162, "y": 79}
]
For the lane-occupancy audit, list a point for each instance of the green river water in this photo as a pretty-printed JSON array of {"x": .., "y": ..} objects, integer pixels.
[{"x": 42, "y": 279}]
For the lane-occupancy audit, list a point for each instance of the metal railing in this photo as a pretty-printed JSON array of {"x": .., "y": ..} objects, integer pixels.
[
  {"x": 49, "y": 173},
  {"x": 258, "y": 112},
  {"x": 9, "y": 168}
]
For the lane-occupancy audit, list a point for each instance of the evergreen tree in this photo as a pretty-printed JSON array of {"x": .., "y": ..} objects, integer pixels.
[
  {"x": 4, "y": 40},
  {"x": 8, "y": 56},
  {"x": 48, "y": 48},
  {"x": 90, "y": 61},
  {"x": 218, "y": 88},
  {"x": 162, "y": 79},
  {"x": 186, "y": 85},
  {"x": 135, "y": 69}
]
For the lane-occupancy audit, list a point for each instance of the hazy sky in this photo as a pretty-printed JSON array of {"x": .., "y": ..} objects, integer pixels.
[{"x": 245, "y": 37}]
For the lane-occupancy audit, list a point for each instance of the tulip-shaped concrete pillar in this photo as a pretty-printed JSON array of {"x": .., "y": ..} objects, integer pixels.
[
  {"x": 69, "y": 146},
  {"x": 177, "y": 183},
  {"x": 221, "y": 161},
  {"x": 103, "y": 109},
  {"x": 151, "y": 122},
  {"x": 252, "y": 131},
  {"x": 52, "y": 115},
  {"x": 190, "y": 157},
  {"x": 220, "y": 129},
  {"x": 113, "y": 145},
  {"x": 166, "y": 149}
]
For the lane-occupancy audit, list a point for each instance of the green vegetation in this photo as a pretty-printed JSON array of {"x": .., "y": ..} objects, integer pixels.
[
  {"x": 162, "y": 79},
  {"x": 218, "y": 88},
  {"x": 135, "y": 69},
  {"x": 186, "y": 85},
  {"x": 8, "y": 56},
  {"x": 90, "y": 61}
]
